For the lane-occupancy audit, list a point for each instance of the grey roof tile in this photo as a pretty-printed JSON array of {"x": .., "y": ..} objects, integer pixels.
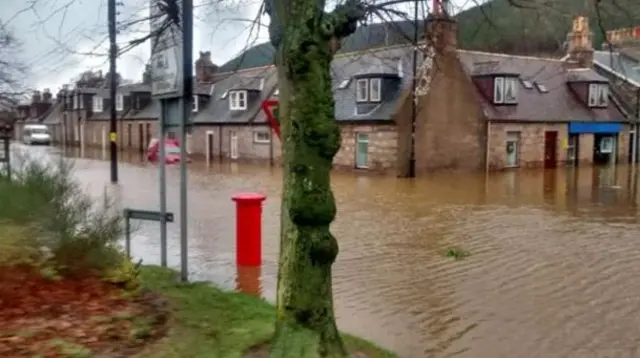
[
  {"x": 624, "y": 67},
  {"x": 558, "y": 104}
]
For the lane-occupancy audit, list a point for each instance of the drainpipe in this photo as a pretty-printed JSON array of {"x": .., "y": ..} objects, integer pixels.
[{"x": 487, "y": 148}]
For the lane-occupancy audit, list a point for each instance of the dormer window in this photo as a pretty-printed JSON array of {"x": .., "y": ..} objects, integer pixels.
[
  {"x": 194, "y": 106},
  {"x": 505, "y": 90},
  {"x": 119, "y": 102},
  {"x": 598, "y": 95},
  {"x": 368, "y": 89},
  {"x": 238, "y": 100},
  {"x": 97, "y": 104}
]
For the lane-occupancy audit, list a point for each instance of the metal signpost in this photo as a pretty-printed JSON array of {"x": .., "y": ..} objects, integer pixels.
[
  {"x": 171, "y": 83},
  {"x": 145, "y": 215}
]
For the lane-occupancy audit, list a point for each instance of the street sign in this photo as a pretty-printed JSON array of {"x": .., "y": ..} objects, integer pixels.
[
  {"x": 166, "y": 53},
  {"x": 147, "y": 215},
  {"x": 269, "y": 107}
]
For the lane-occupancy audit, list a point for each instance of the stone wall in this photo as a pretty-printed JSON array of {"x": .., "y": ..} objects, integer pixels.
[
  {"x": 214, "y": 141},
  {"x": 450, "y": 126},
  {"x": 532, "y": 139}
]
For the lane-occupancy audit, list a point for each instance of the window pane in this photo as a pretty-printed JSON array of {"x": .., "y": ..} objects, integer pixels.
[
  {"x": 374, "y": 89},
  {"x": 362, "y": 90},
  {"x": 498, "y": 91},
  {"x": 362, "y": 149}
]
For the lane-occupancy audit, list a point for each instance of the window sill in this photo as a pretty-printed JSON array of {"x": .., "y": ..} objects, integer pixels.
[{"x": 261, "y": 142}]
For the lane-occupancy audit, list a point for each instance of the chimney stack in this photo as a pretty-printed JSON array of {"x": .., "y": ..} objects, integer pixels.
[
  {"x": 37, "y": 97},
  {"x": 47, "y": 96},
  {"x": 205, "y": 68},
  {"x": 441, "y": 28},
  {"x": 580, "y": 44}
]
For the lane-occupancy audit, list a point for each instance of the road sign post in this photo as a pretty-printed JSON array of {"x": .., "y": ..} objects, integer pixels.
[
  {"x": 144, "y": 215},
  {"x": 171, "y": 83}
]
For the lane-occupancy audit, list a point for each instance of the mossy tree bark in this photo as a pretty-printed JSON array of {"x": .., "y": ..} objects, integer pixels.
[{"x": 306, "y": 38}]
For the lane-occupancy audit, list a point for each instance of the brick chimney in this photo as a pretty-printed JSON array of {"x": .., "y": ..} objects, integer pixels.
[
  {"x": 441, "y": 28},
  {"x": 205, "y": 68},
  {"x": 580, "y": 44}
]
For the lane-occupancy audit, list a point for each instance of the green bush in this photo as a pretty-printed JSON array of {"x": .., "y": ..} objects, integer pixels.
[{"x": 44, "y": 211}]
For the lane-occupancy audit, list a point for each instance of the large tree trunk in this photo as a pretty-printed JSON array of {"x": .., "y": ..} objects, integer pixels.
[{"x": 303, "y": 36}]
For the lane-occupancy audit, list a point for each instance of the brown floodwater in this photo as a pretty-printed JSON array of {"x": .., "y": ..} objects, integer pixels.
[{"x": 552, "y": 271}]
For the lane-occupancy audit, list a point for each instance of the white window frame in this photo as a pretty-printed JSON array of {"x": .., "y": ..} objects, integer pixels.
[
  {"x": 257, "y": 139},
  {"x": 362, "y": 138},
  {"x": 97, "y": 104},
  {"x": 595, "y": 91},
  {"x": 362, "y": 91},
  {"x": 80, "y": 101},
  {"x": 75, "y": 102},
  {"x": 514, "y": 86},
  {"x": 377, "y": 84},
  {"x": 194, "y": 105},
  {"x": 500, "y": 84},
  {"x": 119, "y": 102},
  {"x": 238, "y": 100},
  {"x": 498, "y": 90}
]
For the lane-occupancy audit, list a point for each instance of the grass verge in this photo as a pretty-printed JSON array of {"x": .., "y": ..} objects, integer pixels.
[{"x": 209, "y": 322}]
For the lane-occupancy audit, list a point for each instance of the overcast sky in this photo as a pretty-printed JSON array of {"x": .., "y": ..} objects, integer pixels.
[{"x": 62, "y": 38}]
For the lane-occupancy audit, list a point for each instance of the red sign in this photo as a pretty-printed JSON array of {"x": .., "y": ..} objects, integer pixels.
[{"x": 268, "y": 107}]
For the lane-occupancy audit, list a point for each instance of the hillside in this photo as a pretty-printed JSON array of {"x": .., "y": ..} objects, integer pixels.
[
  {"x": 495, "y": 26},
  {"x": 502, "y": 27}
]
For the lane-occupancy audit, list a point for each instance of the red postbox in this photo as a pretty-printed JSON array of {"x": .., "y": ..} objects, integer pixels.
[
  {"x": 248, "y": 280},
  {"x": 248, "y": 228}
]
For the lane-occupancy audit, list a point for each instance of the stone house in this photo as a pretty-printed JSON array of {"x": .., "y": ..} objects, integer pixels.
[
  {"x": 473, "y": 111},
  {"x": 619, "y": 62},
  {"x": 496, "y": 111}
]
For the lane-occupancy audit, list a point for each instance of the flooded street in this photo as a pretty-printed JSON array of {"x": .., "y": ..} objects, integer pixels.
[{"x": 552, "y": 272}]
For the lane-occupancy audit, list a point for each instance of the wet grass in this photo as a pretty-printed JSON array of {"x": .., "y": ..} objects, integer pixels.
[{"x": 208, "y": 322}]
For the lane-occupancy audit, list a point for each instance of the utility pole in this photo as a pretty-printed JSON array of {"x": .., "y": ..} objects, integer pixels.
[
  {"x": 414, "y": 105},
  {"x": 113, "y": 84}
]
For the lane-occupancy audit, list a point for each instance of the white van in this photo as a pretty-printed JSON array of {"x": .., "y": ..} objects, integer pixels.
[{"x": 36, "y": 134}]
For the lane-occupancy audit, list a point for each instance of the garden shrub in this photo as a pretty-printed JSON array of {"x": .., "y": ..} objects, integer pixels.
[{"x": 47, "y": 219}]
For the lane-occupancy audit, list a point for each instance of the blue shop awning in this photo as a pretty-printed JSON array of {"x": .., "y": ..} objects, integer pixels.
[{"x": 593, "y": 127}]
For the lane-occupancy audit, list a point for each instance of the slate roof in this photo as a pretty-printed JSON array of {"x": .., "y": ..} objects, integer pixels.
[
  {"x": 374, "y": 35},
  {"x": 623, "y": 66},
  {"x": 217, "y": 109},
  {"x": 558, "y": 104},
  {"x": 53, "y": 115},
  {"x": 376, "y": 61}
]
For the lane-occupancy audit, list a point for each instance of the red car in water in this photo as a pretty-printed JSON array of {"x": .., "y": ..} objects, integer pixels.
[{"x": 171, "y": 151}]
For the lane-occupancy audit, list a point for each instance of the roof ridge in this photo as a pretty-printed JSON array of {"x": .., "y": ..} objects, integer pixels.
[{"x": 522, "y": 57}]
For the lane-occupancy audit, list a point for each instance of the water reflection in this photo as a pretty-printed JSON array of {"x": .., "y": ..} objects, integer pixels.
[
  {"x": 248, "y": 280},
  {"x": 552, "y": 270}
]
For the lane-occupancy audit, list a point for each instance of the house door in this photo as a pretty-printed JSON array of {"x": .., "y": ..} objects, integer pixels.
[
  {"x": 141, "y": 145},
  {"x": 209, "y": 145},
  {"x": 233, "y": 143},
  {"x": 550, "y": 149}
]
